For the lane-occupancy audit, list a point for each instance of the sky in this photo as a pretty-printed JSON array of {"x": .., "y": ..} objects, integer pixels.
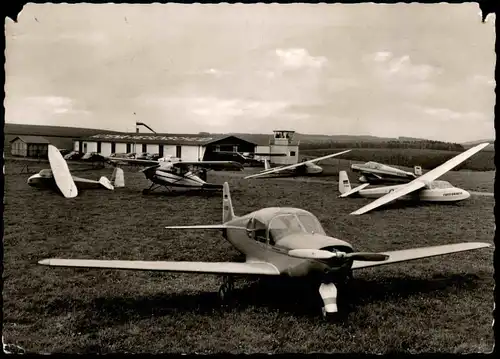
[{"x": 417, "y": 70}]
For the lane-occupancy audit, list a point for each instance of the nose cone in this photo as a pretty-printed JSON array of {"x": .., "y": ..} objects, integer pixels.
[
  {"x": 31, "y": 180},
  {"x": 465, "y": 194}
]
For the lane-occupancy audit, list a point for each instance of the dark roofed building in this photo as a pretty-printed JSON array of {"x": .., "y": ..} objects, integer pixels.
[{"x": 29, "y": 146}]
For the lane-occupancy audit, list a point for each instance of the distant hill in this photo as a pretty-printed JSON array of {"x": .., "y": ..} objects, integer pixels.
[
  {"x": 59, "y": 136},
  {"x": 490, "y": 147},
  {"x": 52, "y": 131}
]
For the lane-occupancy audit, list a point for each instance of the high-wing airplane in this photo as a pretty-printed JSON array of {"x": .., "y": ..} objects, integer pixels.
[
  {"x": 423, "y": 188},
  {"x": 278, "y": 242},
  {"x": 374, "y": 172},
  {"x": 176, "y": 175},
  {"x": 59, "y": 177},
  {"x": 306, "y": 168}
]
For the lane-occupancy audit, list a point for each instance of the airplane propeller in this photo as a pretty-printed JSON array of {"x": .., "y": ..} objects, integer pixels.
[{"x": 323, "y": 254}]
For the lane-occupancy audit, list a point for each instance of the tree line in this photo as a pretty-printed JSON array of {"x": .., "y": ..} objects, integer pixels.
[{"x": 422, "y": 144}]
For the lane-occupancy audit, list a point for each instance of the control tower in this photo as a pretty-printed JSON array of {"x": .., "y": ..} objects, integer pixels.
[{"x": 283, "y": 148}]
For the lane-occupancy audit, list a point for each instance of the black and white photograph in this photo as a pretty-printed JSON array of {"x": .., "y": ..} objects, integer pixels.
[{"x": 249, "y": 178}]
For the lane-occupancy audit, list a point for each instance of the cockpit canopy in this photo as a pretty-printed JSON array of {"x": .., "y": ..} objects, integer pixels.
[
  {"x": 46, "y": 173},
  {"x": 372, "y": 165},
  {"x": 440, "y": 184},
  {"x": 284, "y": 224}
]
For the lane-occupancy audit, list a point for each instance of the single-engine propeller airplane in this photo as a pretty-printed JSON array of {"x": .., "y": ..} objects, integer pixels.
[
  {"x": 305, "y": 168},
  {"x": 278, "y": 242},
  {"x": 374, "y": 172},
  {"x": 59, "y": 177},
  {"x": 422, "y": 188},
  {"x": 175, "y": 175}
]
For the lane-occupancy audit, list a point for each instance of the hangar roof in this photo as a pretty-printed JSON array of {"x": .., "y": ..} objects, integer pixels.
[
  {"x": 173, "y": 139},
  {"x": 31, "y": 139}
]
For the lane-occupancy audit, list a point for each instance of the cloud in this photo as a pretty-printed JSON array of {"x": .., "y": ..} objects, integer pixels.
[
  {"x": 297, "y": 58},
  {"x": 447, "y": 114},
  {"x": 387, "y": 65},
  {"x": 52, "y": 104},
  {"x": 483, "y": 80}
]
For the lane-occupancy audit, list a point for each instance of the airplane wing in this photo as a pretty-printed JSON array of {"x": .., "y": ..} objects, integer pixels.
[
  {"x": 421, "y": 181},
  {"x": 132, "y": 161},
  {"x": 209, "y": 164},
  {"x": 424, "y": 252},
  {"x": 354, "y": 190},
  {"x": 289, "y": 167},
  {"x": 206, "y": 226},
  {"x": 256, "y": 268},
  {"x": 61, "y": 173}
]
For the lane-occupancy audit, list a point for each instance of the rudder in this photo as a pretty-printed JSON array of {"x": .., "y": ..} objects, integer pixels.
[
  {"x": 118, "y": 178},
  {"x": 344, "y": 184},
  {"x": 227, "y": 205}
]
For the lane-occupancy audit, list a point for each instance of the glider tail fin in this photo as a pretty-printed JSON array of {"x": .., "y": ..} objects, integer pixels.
[
  {"x": 417, "y": 170},
  {"x": 266, "y": 165},
  {"x": 118, "y": 178},
  {"x": 344, "y": 184},
  {"x": 227, "y": 205},
  {"x": 106, "y": 183}
]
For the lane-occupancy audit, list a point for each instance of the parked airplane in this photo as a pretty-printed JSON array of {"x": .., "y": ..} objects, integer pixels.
[
  {"x": 374, "y": 172},
  {"x": 298, "y": 169},
  {"x": 59, "y": 177},
  {"x": 176, "y": 175},
  {"x": 423, "y": 188},
  {"x": 278, "y": 242}
]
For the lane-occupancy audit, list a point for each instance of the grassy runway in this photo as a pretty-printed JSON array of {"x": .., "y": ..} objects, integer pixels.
[{"x": 441, "y": 304}]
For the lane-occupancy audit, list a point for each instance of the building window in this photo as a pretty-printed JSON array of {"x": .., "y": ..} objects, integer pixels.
[
  {"x": 85, "y": 147},
  {"x": 235, "y": 148},
  {"x": 129, "y": 147},
  {"x": 217, "y": 148},
  {"x": 99, "y": 147},
  {"x": 113, "y": 147},
  {"x": 160, "y": 150},
  {"x": 292, "y": 153},
  {"x": 144, "y": 147},
  {"x": 178, "y": 151}
]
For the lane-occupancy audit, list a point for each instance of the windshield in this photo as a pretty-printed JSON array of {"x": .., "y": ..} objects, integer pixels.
[
  {"x": 45, "y": 173},
  {"x": 373, "y": 165},
  {"x": 283, "y": 225},
  {"x": 310, "y": 223},
  {"x": 441, "y": 184}
]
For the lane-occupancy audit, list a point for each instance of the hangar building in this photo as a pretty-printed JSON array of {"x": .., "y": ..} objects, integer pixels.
[
  {"x": 280, "y": 149},
  {"x": 29, "y": 146}
]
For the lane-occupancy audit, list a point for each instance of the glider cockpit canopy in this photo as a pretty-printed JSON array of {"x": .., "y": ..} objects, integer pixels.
[{"x": 46, "y": 173}]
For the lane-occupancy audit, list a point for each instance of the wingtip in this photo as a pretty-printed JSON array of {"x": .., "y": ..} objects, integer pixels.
[{"x": 44, "y": 262}]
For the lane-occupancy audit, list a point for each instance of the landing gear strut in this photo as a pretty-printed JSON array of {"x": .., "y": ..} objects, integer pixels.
[
  {"x": 226, "y": 288},
  {"x": 328, "y": 290}
]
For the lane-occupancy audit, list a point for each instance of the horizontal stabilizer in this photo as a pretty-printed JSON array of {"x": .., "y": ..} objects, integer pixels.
[
  {"x": 256, "y": 268},
  {"x": 354, "y": 190},
  {"x": 424, "y": 252},
  {"x": 206, "y": 226},
  {"x": 106, "y": 183}
]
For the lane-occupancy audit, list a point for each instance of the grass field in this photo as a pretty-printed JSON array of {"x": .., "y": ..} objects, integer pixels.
[{"x": 442, "y": 304}]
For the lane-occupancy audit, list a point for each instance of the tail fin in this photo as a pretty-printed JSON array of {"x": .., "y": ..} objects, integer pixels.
[
  {"x": 344, "y": 184},
  {"x": 106, "y": 183},
  {"x": 118, "y": 178},
  {"x": 227, "y": 205},
  {"x": 266, "y": 165},
  {"x": 417, "y": 170}
]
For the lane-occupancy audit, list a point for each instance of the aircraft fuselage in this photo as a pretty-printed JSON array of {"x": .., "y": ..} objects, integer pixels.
[
  {"x": 261, "y": 249},
  {"x": 450, "y": 194}
]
